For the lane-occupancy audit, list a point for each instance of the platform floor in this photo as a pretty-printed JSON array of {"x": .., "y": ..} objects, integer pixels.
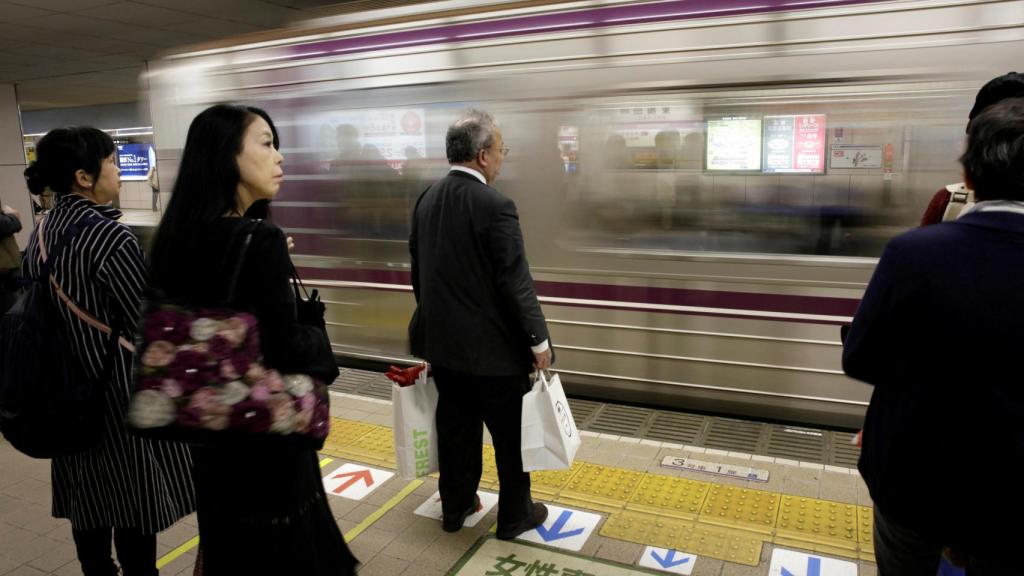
[{"x": 616, "y": 501}]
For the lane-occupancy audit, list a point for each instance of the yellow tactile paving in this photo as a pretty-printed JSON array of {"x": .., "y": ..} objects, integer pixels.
[
  {"x": 374, "y": 447},
  {"x": 551, "y": 482},
  {"x": 866, "y": 529},
  {"x": 669, "y": 496},
  {"x": 718, "y": 521},
  {"x": 344, "y": 433},
  {"x": 489, "y": 478},
  {"x": 692, "y": 537},
  {"x": 818, "y": 522},
  {"x": 742, "y": 508},
  {"x": 600, "y": 487}
]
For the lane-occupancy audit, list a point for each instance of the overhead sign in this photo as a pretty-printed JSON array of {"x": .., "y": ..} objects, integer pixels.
[
  {"x": 354, "y": 482},
  {"x": 731, "y": 470},
  {"x": 734, "y": 144},
  {"x": 855, "y": 156},
  {"x": 432, "y": 508},
  {"x": 794, "y": 144},
  {"x": 672, "y": 561},
  {"x": 134, "y": 160},
  {"x": 565, "y": 528},
  {"x": 793, "y": 563},
  {"x": 500, "y": 558}
]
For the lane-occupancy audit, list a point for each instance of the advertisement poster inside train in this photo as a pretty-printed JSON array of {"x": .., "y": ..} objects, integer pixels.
[
  {"x": 351, "y": 139},
  {"x": 794, "y": 144},
  {"x": 734, "y": 144},
  {"x": 134, "y": 160}
]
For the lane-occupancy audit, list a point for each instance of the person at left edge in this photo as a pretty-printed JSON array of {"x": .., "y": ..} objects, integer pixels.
[
  {"x": 131, "y": 486},
  {"x": 10, "y": 257}
]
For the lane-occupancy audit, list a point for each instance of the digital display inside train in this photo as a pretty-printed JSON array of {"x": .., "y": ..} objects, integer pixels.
[
  {"x": 734, "y": 144},
  {"x": 794, "y": 144}
]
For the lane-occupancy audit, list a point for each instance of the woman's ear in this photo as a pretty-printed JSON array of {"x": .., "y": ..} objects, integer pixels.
[{"x": 83, "y": 179}]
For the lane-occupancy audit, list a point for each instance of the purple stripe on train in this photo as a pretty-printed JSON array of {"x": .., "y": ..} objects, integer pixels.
[
  {"x": 561, "y": 22},
  {"x": 733, "y": 304}
]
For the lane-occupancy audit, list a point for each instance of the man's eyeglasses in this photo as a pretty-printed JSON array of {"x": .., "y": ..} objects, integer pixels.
[{"x": 504, "y": 150}]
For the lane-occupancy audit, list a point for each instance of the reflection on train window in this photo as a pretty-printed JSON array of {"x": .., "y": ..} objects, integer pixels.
[
  {"x": 753, "y": 172},
  {"x": 834, "y": 171}
]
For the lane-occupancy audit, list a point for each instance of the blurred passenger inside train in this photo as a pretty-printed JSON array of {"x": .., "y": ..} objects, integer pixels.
[
  {"x": 10, "y": 256},
  {"x": 274, "y": 519},
  {"x": 479, "y": 324},
  {"x": 668, "y": 146},
  {"x": 937, "y": 334},
  {"x": 127, "y": 485},
  {"x": 950, "y": 201}
]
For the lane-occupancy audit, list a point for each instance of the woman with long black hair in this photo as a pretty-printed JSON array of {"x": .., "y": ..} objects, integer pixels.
[
  {"x": 262, "y": 506},
  {"x": 127, "y": 485}
]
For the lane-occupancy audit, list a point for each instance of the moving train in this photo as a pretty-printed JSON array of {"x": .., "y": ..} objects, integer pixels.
[{"x": 704, "y": 186}]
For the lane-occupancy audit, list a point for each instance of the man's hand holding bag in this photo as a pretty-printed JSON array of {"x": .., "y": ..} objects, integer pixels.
[{"x": 549, "y": 436}]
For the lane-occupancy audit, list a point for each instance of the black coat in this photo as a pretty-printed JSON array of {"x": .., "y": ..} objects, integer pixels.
[
  {"x": 477, "y": 311},
  {"x": 938, "y": 334},
  {"x": 277, "y": 521}
]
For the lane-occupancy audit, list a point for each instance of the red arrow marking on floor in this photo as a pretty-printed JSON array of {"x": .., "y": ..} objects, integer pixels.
[{"x": 356, "y": 476}]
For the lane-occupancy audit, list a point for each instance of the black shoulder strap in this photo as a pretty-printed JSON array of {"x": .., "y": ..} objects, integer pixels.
[
  {"x": 243, "y": 249},
  {"x": 63, "y": 239}
]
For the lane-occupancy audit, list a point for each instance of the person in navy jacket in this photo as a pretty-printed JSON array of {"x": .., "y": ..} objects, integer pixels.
[{"x": 939, "y": 336}]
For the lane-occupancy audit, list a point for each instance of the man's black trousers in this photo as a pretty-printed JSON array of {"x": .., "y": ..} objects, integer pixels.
[{"x": 467, "y": 402}]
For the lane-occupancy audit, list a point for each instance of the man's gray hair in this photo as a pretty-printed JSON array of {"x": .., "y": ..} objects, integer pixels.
[{"x": 470, "y": 134}]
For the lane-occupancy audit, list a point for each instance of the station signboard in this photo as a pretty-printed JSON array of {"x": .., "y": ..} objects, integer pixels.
[
  {"x": 134, "y": 160},
  {"x": 794, "y": 144},
  {"x": 734, "y": 144}
]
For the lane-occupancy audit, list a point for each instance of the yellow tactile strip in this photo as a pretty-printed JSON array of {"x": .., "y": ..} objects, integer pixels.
[
  {"x": 550, "y": 483},
  {"x": 866, "y": 532},
  {"x": 600, "y": 487},
  {"x": 374, "y": 447},
  {"x": 819, "y": 522},
  {"x": 716, "y": 520},
  {"x": 743, "y": 508},
  {"x": 693, "y": 537},
  {"x": 669, "y": 496},
  {"x": 344, "y": 433}
]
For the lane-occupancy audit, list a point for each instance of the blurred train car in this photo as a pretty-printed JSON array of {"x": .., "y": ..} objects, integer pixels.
[{"x": 704, "y": 185}]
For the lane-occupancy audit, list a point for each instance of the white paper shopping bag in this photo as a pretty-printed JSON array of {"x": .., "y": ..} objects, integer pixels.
[
  {"x": 549, "y": 435},
  {"x": 415, "y": 428}
]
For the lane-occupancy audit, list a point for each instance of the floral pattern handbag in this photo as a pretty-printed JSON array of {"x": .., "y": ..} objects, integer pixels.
[{"x": 199, "y": 378}]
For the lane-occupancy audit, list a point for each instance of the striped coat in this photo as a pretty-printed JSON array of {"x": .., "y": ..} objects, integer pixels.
[{"x": 125, "y": 481}]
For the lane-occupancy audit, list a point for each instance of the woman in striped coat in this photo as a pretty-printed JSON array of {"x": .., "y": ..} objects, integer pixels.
[{"x": 125, "y": 484}]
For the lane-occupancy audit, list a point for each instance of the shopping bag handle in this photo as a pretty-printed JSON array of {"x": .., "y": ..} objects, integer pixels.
[{"x": 544, "y": 376}]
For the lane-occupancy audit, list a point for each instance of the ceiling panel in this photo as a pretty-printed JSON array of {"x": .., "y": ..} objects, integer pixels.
[
  {"x": 139, "y": 14},
  {"x": 10, "y": 31},
  {"x": 87, "y": 52},
  {"x": 12, "y": 12},
  {"x": 214, "y": 28},
  {"x": 69, "y": 23},
  {"x": 62, "y": 5}
]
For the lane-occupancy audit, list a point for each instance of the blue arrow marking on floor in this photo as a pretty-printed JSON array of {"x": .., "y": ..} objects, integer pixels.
[
  {"x": 669, "y": 560},
  {"x": 813, "y": 567},
  {"x": 555, "y": 532}
]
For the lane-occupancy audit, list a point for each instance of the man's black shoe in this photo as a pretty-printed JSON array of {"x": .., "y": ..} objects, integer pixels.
[
  {"x": 454, "y": 524},
  {"x": 538, "y": 515}
]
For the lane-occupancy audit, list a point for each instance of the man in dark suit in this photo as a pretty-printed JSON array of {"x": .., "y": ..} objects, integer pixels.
[
  {"x": 478, "y": 323},
  {"x": 938, "y": 335}
]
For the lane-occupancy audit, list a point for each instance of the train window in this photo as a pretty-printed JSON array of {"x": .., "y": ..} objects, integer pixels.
[{"x": 748, "y": 171}]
